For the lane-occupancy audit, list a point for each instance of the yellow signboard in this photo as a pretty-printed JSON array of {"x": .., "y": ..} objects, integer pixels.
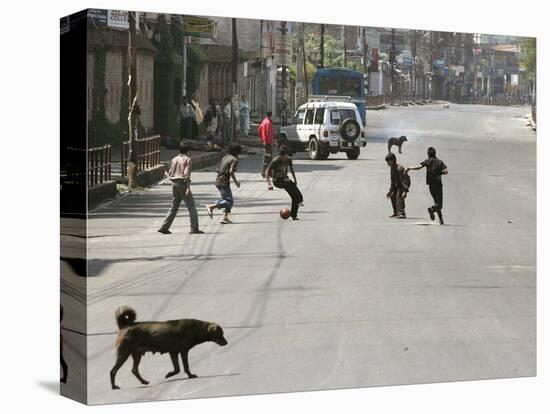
[{"x": 199, "y": 27}]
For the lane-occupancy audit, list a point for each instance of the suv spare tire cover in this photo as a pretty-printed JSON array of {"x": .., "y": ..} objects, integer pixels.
[{"x": 349, "y": 129}]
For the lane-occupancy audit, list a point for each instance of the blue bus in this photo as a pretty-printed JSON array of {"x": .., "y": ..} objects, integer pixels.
[{"x": 342, "y": 82}]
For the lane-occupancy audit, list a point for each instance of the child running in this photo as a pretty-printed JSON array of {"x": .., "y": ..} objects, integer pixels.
[
  {"x": 435, "y": 168},
  {"x": 226, "y": 170}
]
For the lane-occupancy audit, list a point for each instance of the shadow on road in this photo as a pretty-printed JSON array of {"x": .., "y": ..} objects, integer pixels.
[
  {"x": 200, "y": 377},
  {"x": 50, "y": 386}
]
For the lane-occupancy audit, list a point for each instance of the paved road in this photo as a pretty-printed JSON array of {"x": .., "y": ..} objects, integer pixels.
[{"x": 346, "y": 297}]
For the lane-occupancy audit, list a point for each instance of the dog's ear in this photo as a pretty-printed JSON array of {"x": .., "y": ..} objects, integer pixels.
[{"x": 212, "y": 328}]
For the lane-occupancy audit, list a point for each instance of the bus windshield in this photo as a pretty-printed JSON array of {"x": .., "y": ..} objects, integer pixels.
[
  {"x": 328, "y": 86},
  {"x": 350, "y": 86}
]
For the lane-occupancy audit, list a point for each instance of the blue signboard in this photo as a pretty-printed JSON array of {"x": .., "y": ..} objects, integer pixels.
[{"x": 407, "y": 61}]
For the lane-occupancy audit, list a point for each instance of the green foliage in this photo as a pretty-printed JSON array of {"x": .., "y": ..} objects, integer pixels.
[
  {"x": 165, "y": 109},
  {"x": 169, "y": 72},
  {"x": 333, "y": 50},
  {"x": 529, "y": 56}
]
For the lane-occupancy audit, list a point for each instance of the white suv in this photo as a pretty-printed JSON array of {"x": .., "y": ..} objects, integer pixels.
[{"x": 325, "y": 126}]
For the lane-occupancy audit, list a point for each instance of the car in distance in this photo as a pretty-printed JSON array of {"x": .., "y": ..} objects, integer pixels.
[{"x": 325, "y": 125}]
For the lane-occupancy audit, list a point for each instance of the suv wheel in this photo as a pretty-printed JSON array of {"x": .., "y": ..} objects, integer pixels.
[
  {"x": 353, "y": 154},
  {"x": 349, "y": 129},
  {"x": 314, "y": 149}
]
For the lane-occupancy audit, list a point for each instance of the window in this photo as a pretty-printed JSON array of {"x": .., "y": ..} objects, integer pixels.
[
  {"x": 338, "y": 115},
  {"x": 320, "y": 116},
  {"x": 328, "y": 86},
  {"x": 300, "y": 116},
  {"x": 351, "y": 86},
  {"x": 309, "y": 117}
]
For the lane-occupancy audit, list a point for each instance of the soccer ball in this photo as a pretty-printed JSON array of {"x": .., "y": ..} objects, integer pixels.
[{"x": 285, "y": 213}]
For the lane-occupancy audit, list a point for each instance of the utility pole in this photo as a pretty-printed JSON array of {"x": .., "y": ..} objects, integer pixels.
[
  {"x": 184, "y": 58},
  {"x": 303, "y": 46},
  {"x": 234, "y": 63},
  {"x": 414, "y": 64},
  {"x": 392, "y": 63},
  {"x": 284, "y": 102},
  {"x": 133, "y": 109},
  {"x": 322, "y": 46},
  {"x": 365, "y": 57},
  {"x": 344, "y": 46},
  {"x": 431, "y": 64}
]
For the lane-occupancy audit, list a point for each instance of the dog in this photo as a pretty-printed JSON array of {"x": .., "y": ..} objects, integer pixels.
[
  {"x": 64, "y": 366},
  {"x": 175, "y": 337},
  {"x": 396, "y": 141}
]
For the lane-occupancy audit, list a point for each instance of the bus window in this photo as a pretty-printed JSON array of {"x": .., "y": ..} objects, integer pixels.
[
  {"x": 351, "y": 86},
  {"x": 320, "y": 116},
  {"x": 328, "y": 86},
  {"x": 309, "y": 116}
]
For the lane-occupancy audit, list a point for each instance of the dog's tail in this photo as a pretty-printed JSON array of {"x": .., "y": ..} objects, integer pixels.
[{"x": 125, "y": 316}]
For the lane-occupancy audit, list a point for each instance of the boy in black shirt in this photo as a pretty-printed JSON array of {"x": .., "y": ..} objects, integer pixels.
[
  {"x": 435, "y": 168},
  {"x": 278, "y": 169},
  {"x": 226, "y": 170},
  {"x": 399, "y": 186}
]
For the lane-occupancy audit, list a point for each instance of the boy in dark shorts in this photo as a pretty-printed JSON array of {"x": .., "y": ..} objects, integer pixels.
[
  {"x": 399, "y": 186},
  {"x": 226, "y": 170},
  {"x": 435, "y": 168},
  {"x": 278, "y": 169}
]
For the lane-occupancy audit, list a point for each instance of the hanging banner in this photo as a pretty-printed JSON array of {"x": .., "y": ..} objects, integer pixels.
[
  {"x": 283, "y": 50},
  {"x": 200, "y": 27}
]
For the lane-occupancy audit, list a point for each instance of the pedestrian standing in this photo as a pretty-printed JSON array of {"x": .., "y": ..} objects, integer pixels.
[
  {"x": 211, "y": 121},
  {"x": 265, "y": 132},
  {"x": 226, "y": 170},
  {"x": 180, "y": 175},
  {"x": 198, "y": 116},
  {"x": 187, "y": 115},
  {"x": 244, "y": 116},
  {"x": 278, "y": 169},
  {"x": 399, "y": 186},
  {"x": 435, "y": 168},
  {"x": 226, "y": 132}
]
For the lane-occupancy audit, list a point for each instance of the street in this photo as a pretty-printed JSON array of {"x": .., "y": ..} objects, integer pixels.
[{"x": 346, "y": 297}]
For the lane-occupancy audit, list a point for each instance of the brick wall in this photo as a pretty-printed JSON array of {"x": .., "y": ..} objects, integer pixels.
[
  {"x": 90, "y": 84},
  {"x": 145, "y": 88},
  {"x": 113, "y": 85}
]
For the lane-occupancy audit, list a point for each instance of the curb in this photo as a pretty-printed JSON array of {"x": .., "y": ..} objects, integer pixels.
[{"x": 108, "y": 190}]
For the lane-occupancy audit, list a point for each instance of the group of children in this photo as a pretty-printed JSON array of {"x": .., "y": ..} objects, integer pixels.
[
  {"x": 276, "y": 174},
  {"x": 180, "y": 175},
  {"x": 401, "y": 182}
]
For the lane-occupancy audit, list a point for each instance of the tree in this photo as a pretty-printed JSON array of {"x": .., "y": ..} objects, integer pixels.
[
  {"x": 165, "y": 112},
  {"x": 529, "y": 56},
  {"x": 332, "y": 50},
  {"x": 529, "y": 61}
]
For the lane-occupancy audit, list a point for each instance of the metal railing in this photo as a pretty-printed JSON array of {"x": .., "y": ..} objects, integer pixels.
[
  {"x": 148, "y": 150},
  {"x": 74, "y": 168},
  {"x": 99, "y": 165}
]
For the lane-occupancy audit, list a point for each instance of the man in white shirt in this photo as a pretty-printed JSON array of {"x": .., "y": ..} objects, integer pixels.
[{"x": 180, "y": 175}]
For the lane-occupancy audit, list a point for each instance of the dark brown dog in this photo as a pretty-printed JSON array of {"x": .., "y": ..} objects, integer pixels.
[
  {"x": 396, "y": 141},
  {"x": 63, "y": 363},
  {"x": 175, "y": 337}
]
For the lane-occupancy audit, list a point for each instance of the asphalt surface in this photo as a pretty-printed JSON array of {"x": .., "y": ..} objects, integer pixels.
[{"x": 345, "y": 297}]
